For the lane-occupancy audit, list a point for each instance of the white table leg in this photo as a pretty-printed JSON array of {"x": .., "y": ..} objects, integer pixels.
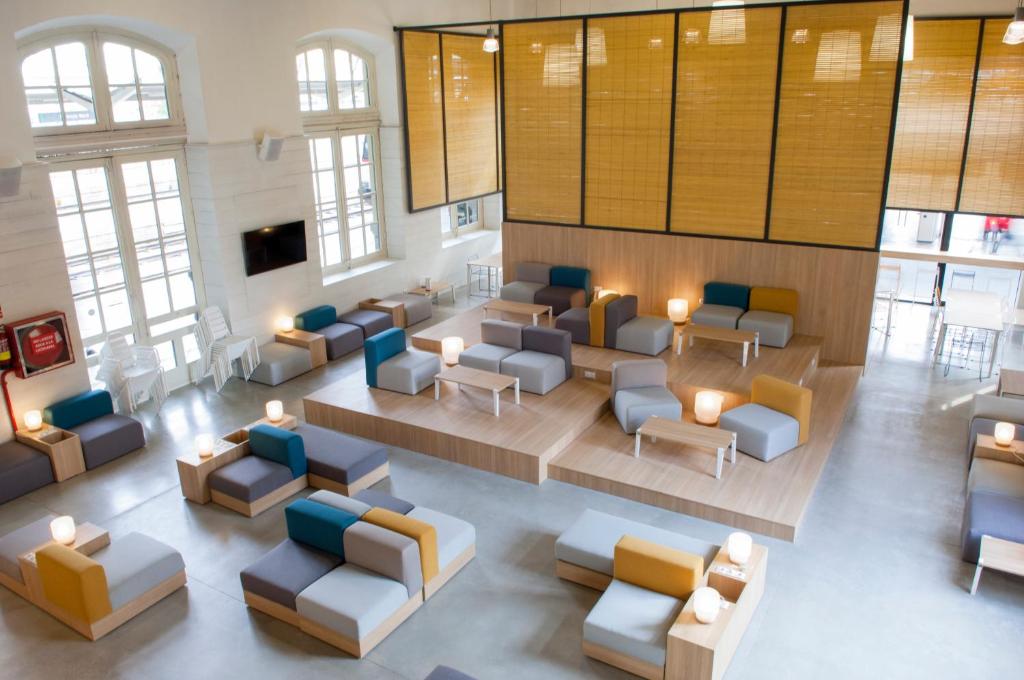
[
  {"x": 437, "y": 389},
  {"x": 691, "y": 341},
  {"x": 517, "y": 391},
  {"x": 469, "y": 281},
  {"x": 497, "y": 402},
  {"x": 732, "y": 450},
  {"x": 679, "y": 344},
  {"x": 746, "y": 346},
  {"x": 977, "y": 577},
  {"x": 757, "y": 343},
  {"x": 536, "y": 319},
  {"x": 636, "y": 446},
  {"x": 939, "y": 342},
  {"x": 551, "y": 316},
  {"x": 719, "y": 456}
]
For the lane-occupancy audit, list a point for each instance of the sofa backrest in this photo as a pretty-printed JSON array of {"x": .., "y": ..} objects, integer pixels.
[
  {"x": 638, "y": 373},
  {"x": 1005, "y": 409},
  {"x": 550, "y": 341},
  {"x": 73, "y": 582},
  {"x": 336, "y": 500},
  {"x": 386, "y": 552},
  {"x": 657, "y": 567},
  {"x": 504, "y": 333},
  {"x": 424, "y": 534},
  {"x": 280, "y": 446},
  {"x": 778, "y": 300},
  {"x": 618, "y": 312},
  {"x": 318, "y": 525},
  {"x": 728, "y": 294},
  {"x": 596, "y": 311},
  {"x": 534, "y": 272},
  {"x": 81, "y": 408},
  {"x": 316, "y": 318},
  {"x": 572, "y": 277},
  {"x": 379, "y": 348},
  {"x": 785, "y": 397}
]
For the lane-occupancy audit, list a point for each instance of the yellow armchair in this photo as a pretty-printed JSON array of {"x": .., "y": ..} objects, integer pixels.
[
  {"x": 73, "y": 582},
  {"x": 785, "y": 397}
]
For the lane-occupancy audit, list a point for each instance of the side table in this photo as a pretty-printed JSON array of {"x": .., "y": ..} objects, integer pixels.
[
  {"x": 314, "y": 342},
  {"x": 64, "y": 449}
]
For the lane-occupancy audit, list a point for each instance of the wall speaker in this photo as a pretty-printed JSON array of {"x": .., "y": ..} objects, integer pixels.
[
  {"x": 270, "y": 148},
  {"x": 10, "y": 176}
]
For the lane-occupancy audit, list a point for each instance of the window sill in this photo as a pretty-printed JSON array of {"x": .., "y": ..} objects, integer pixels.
[
  {"x": 355, "y": 272},
  {"x": 466, "y": 238}
]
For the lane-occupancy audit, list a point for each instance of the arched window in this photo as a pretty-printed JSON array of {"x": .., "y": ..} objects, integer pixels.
[{"x": 335, "y": 79}]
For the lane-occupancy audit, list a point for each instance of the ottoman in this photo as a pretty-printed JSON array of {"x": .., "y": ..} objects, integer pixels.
[
  {"x": 649, "y": 335},
  {"x": 761, "y": 432},
  {"x": 337, "y": 457},
  {"x": 249, "y": 478},
  {"x": 287, "y": 570},
  {"x": 22, "y": 469},
  {"x": 409, "y": 372},
  {"x": 721, "y": 316},
  {"x": 109, "y": 437},
  {"x": 561, "y": 298},
  {"x": 280, "y": 362},
  {"x": 135, "y": 564},
  {"x": 577, "y": 322},
  {"x": 485, "y": 357},
  {"x": 371, "y": 321},
  {"x": 538, "y": 372},
  {"x": 342, "y": 339},
  {"x": 774, "y": 329}
]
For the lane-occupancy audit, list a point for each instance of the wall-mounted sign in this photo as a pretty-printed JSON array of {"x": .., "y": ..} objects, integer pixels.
[{"x": 41, "y": 344}]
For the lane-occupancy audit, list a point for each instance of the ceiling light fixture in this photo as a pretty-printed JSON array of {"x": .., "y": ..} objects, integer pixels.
[
  {"x": 1015, "y": 31},
  {"x": 491, "y": 44}
]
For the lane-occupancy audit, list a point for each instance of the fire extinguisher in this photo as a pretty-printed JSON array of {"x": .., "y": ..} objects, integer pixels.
[{"x": 5, "y": 346}]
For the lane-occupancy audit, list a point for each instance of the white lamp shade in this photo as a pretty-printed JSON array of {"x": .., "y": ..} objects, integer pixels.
[
  {"x": 706, "y": 604},
  {"x": 275, "y": 411},
  {"x": 607, "y": 291},
  {"x": 451, "y": 348},
  {"x": 738, "y": 546},
  {"x": 204, "y": 445},
  {"x": 1004, "y": 433},
  {"x": 490, "y": 42},
  {"x": 63, "y": 529},
  {"x": 707, "y": 406},
  {"x": 285, "y": 324},
  {"x": 33, "y": 420},
  {"x": 678, "y": 310}
]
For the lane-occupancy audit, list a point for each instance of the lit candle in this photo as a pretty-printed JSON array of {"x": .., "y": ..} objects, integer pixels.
[
  {"x": 738, "y": 546},
  {"x": 706, "y": 604},
  {"x": 63, "y": 529},
  {"x": 33, "y": 420},
  {"x": 204, "y": 445},
  {"x": 285, "y": 324},
  {"x": 707, "y": 406},
  {"x": 275, "y": 411},
  {"x": 1004, "y": 433},
  {"x": 678, "y": 310},
  {"x": 451, "y": 348}
]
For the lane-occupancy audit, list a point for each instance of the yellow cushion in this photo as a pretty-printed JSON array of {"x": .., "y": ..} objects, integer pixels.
[
  {"x": 597, "y": 319},
  {"x": 657, "y": 567},
  {"x": 74, "y": 582},
  {"x": 780, "y": 300},
  {"x": 779, "y": 395},
  {"x": 424, "y": 534}
]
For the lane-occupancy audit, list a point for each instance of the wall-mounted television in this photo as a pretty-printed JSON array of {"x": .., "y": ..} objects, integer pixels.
[{"x": 269, "y": 248}]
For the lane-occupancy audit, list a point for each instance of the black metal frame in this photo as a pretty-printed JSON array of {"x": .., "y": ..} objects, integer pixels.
[{"x": 892, "y": 124}]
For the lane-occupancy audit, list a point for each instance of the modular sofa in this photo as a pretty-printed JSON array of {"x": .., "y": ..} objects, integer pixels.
[
  {"x": 104, "y": 435},
  {"x": 722, "y": 305},
  {"x": 280, "y": 362},
  {"x": 560, "y": 287},
  {"x": 418, "y": 308},
  {"x": 22, "y": 470},
  {"x": 639, "y": 391},
  {"x": 611, "y": 321},
  {"x": 540, "y": 357},
  {"x": 350, "y": 573},
  {"x": 772, "y": 313},
  {"x": 342, "y": 337},
  {"x": 390, "y": 366},
  {"x": 986, "y": 411},
  {"x": 776, "y": 420}
]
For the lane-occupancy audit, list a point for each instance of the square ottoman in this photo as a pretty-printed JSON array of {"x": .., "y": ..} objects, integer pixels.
[
  {"x": 649, "y": 335},
  {"x": 774, "y": 329},
  {"x": 635, "y": 405},
  {"x": 632, "y": 621},
  {"x": 577, "y": 322},
  {"x": 485, "y": 357},
  {"x": 721, "y": 316},
  {"x": 538, "y": 372},
  {"x": 341, "y": 339},
  {"x": 561, "y": 298},
  {"x": 249, "y": 478},
  {"x": 287, "y": 570},
  {"x": 417, "y": 307},
  {"x": 351, "y": 601},
  {"x": 109, "y": 437},
  {"x": 280, "y": 362},
  {"x": 409, "y": 372},
  {"x": 22, "y": 469},
  {"x": 761, "y": 432},
  {"x": 339, "y": 457},
  {"x": 371, "y": 321}
]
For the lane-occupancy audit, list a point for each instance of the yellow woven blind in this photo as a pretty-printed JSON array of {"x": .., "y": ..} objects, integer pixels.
[
  {"x": 543, "y": 119},
  {"x": 994, "y": 175},
  {"x": 725, "y": 105},
  {"x": 931, "y": 126},
  {"x": 422, "y": 62},
  {"x": 629, "y": 98},
  {"x": 838, "y": 76},
  {"x": 470, "y": 124}
]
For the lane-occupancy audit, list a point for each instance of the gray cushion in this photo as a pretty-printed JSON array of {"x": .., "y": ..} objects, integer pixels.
[
  {"x": 409, "y": 372},
  {"x": 385, "y": 552},
  {"x": 23, "y": 540},
  {"x": 520, "y": 291},
  {"x": 650, "y": 335},
  {"x": 454, "y": 536},
  {"x": 990, "y": 514},
  {"x": 22, "y": 469},
  {"x": 551, "y": 341},
  {"x": 633, "y": 621},
  {"x": 342, "y": 339},
  {"x": 417, "y": 307},
  {"x": 638, "y": 373},
  {"x": 370, "y": 320},
  {"x": 635, "y": 405},
  {"x": 340, "y": 457},
  {"x": 280, "y": 362},
  {"x": 336, "y": 500},
  {"x": 503, "y": 333},
  {"x": 135, "y": 564},
  {"x": 351, "y": 601},
  {"x": 774, "y": 329},
  {"x": 538, "y": 372},
  {"x": 250, "y": 478},
  {"x": 716, "y": 315},
  {"x": 287, "y": 570},
  {"x": 109, "y": 437},
  {"x": 590, "y": 541},
  {"x": 561, "y": 298},
  {"x": 380, "y": 499},
  {"x": 534, "y": 272},
  {"x": 996, "y": 477},
  {"x": 761, "y": 432},
  {"x": 617, "y": 312},
  {"x": 447, "y": 673},
  {"x": 485, "y": 357},
  {"x": 577, "y": 322}
]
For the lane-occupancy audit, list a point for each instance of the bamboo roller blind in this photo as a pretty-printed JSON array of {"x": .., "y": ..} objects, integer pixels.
[
  {"x": 628, "y": 119},
  {"x": 543, "y": 120},
  {"x": 470, "y": 117},
  {"x": 931, "y": 126},
  {"x": 424, "y": 122},
  {"x": 725, "y": 103},
  {"x": 994, "y": 175},
  {"x": 835, "y": 107}
]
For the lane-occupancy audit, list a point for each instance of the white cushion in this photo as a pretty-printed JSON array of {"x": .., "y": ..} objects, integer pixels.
[
  {"x": 632, "y": 621},
  {"x": 135, "y": 564},
  {"x": 454, "y": 535},
  {"x": 351, "y": 601}
]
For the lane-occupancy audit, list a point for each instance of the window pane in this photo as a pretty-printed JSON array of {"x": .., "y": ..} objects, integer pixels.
[
  {"x": 72, "y": 65},
  {"x": 78, "y": 106},
  {"x": 191, "y": 348},
  {"x": 63, "y": 185},
  {"x": 176, "y": 256},
  {"x": 37, "y": 69},
  {"x": 154, "y": 293},
  {"x": 100, "y": 227},
  {"x": 149, "y": 68},
  {"x": 360, "y": 95},
  {"x": 154, "y": 102},
  {"x": 92, "y": 188},
  {"x": 125, "y": 102},
  {"x": 332, "y": 249},
  {"x": 166, "y": 352},
  {"x": 300, "y": 67},
  {"x": 80, "y": 275},
  {"x": 88, "y": 312},
  {"x": 151, "y": 261},
  {"x": 183, "y": 292},
  {"x": 72, "y": 235},
  {"x": 143, "y": 221},
  {"x": 116, "y": 312},
  {"x": 325, "y": 186},
  {"x": 315, "y": 65},
  {"x": 118, "y": 61},
  {"x": 356, "y": 244},
  {"x": 446, "y": 220},
  {"x": 172, "y": 221},
  {"x": 109, "y": 272},
  {"x": 136, "y": 180},
  {"x": 324, "y": 153},
  {"x": 44, "y": 107},
  {"x": 318, "y": 96},
  {"x": 165, "y": 176}
]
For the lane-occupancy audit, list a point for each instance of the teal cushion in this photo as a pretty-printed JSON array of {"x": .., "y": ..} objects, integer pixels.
[
  {"x": 572, "y": 277},
  {"x": 379, "y": 348},
  {"x": 318, "y": 525},
  {"x": 79, "y": 409},
  {"x": 279, "y": 446},
  {"x": 316, "y": 318},
  {"x": 727, "y": 294}
]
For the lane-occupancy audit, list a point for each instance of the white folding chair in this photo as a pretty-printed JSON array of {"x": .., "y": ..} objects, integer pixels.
[
  {"x": 219, "y": 349},
  {"x": 131, "y": 373}
]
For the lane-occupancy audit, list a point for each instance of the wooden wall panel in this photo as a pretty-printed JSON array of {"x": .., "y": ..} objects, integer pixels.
[
  {"x": 543, "y": 120},
  {"x": 839, "y": 70},
  {"x": 725, "y": 107},
  {"x": 931, "y": 126},
  {"x": 629, "y": 110},
  {"x": 836, "y": 286},
  {"x": 470, "y": 122},
  {"x": 994, "y": 174},
  {"x": 421, "y": 53}
]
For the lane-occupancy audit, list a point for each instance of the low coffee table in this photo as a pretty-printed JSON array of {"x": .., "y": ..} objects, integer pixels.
[
  {"x": 524, "y": 308},
  {"x": 473, "y": 377},
  {"x": 435, "y": 290},
  {"x": 739, "y": 336},
  {"x": 314, "y": 342},
  {"x": 690, "y": 434}
]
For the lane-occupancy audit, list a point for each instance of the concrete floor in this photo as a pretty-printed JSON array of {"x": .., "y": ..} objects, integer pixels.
[{"x": 873, "y": 587}]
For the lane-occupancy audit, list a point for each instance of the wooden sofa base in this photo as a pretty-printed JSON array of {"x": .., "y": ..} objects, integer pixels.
[
  {"x": 364, "y": 482},
  {"x": 260, "y": 504},
  {"x": 451, "y": 570},
  {"x": 279, "y": 612},
  {"x": 626, "y": 663},
  {"x": 582, "y": 575}
]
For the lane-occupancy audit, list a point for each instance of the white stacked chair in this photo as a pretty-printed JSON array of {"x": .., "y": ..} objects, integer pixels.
[
  {"x": 219, "y": 349},
  {"x": 130, "y": 373}
]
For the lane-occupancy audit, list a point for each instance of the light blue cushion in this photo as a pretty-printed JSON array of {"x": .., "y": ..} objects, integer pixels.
[
  {"x": 351, "y": 601},
  {"x": 716, "y": 315},
  {"x": 280, "y": 446},
  {"x": 316, "y": 318},
  {"x": 633, "y": 406},
  {"x": 760, "y": 431},
  {"x": 79, "y": 409},
  {"x": 632, "y": 621},
  {"x": 379, "y": 348},
  {"x": 318, "y": 525}
]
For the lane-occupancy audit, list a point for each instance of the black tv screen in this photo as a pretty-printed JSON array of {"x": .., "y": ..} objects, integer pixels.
[{"x": 269, "y": 248}]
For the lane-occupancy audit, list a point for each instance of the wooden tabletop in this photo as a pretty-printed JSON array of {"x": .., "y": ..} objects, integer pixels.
[
  {"x": 435, "y": 287},
  {"x": 220, "y": 447},
  {"x": 297, "y": 335},
  {"x": 716, "y": 333},
  {"x": 516, "y": 307},
  {"x": 682, "y": 432},
  {"x": 474, "y": 377}
]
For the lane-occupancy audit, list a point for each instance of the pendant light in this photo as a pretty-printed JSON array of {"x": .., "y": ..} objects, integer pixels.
[
  {"x": 1015, "y": 31},
  {"x": 490, "y": 41}
]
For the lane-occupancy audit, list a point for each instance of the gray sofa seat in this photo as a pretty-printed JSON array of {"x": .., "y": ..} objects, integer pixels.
[
  {"x": 722, "y": 316},
  {"x": 109, "y": 437},
  {"x": 997, "y": 477},
  {"x": 632, "y": 621},
  {"x": 339, "y": 457},
  {"x": 590, "y": 541},
  {"x": 336, "y": 500},
  {"x": 538, "y": 372},
  {"x": 454, "y": 536},
  {"x": 280, "y": 362},
  {"x": 633, "y": 406},
  {"x": 287, "y": 570},
  {"x": 774, "y": 329},
  {"x": 990, "y": 514},
  {"x": 380, "y": 499},
  {"x": 249, "y": 478},
  {"x": 22, "y": 469},
  {"x": 351, "y": 601},
  {"x": 385, "y": 552},
  {"x": 561, "y": 298},
  {"x": 20, "y": 541},
  {"x": 485, "y": 357},
  {"x": 761, "y": 432},
  {"x": 370, "y": 320},
  {"x": 409, "y": 372},
  {"x": 417, "y": 308},
  {"x": 649, "y": 335},
  {"x": 577, "y": 322},
  {"x": 341, "y": 339},
  {"x": 521, "y": 291},
  {"x": 135, "y": 564}
]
